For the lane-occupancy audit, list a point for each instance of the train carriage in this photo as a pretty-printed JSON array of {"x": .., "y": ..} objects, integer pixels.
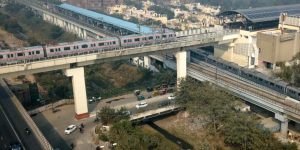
[{"x": 293, "y": 92}]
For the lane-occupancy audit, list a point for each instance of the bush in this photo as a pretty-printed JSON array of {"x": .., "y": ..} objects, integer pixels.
[
  {"x": 56, "y": 32},
  {"x": 103, "y": 137}
]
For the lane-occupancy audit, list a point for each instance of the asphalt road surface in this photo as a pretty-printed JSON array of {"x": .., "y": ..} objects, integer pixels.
[{"x": 16, "y": 122}]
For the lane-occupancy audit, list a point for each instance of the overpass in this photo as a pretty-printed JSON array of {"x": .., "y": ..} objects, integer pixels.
[
  {"x": 73, "y": 65},
  {"x": 245, "y": 89}
]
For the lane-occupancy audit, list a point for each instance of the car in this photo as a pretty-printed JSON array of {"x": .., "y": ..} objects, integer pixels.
[
  {"x": 171, "y": 97},
  {"x": 144, "y": 104},
  {"x": 15, "y": 146},
  {"x": 70, "y": 129}
]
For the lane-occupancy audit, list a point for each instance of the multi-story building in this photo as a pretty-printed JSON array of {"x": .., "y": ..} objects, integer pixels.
[{"x": 119, "y": 9}]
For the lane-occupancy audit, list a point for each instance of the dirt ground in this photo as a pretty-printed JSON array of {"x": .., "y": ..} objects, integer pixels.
[{"x": 8, "y": 38}]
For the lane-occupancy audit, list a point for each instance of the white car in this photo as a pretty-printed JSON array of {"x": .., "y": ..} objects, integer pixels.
[
  {"x": 70, "y": 129},
  {"x": 143, "y": 104},
  {"x": 171, "y": 97}
]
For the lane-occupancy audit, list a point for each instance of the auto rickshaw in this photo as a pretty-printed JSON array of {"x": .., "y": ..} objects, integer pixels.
[
  {"x": 136, "y": 92},
  {"x": 140, "y": 97},
  {"x": 155, "y": 93}
]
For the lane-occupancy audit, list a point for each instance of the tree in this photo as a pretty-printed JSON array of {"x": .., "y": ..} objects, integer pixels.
[
  {"x": 182, "y": 7},
  {"x": 167, "y": 77},
  {"x": 56, "y": 32},
  {"x": 33, "y": 42},
  {"x": 110, "y": 115},
  {"x": 193, "y": 19},
  {"x": 134, "y": 20},
  {"x": 208, "y": 101}
]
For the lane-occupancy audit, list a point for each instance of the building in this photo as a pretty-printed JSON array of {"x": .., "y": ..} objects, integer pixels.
[
  {"x": 186, "y": 1},
  {"x": 270, "y": 124},
  {"x": 118, "y": 9},
  {"x": 147, "y": 4},
  {"x": 95, "y": 4}
]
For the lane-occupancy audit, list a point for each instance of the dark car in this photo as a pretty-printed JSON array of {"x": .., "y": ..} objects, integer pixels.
[
  {"x": 149, "y": 89},
  {"x": 15, "y": 146},
  {"x": 172, "y": 85}
]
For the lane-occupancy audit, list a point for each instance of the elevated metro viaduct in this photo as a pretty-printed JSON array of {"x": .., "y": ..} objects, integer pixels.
[{"x": 73, "y": 65}]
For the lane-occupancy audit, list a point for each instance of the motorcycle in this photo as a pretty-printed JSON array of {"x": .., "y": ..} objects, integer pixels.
[{"x": 96, "y": 120}]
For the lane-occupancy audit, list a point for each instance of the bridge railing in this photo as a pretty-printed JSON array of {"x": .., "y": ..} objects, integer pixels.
[
  {"x": 153, "y": 111},
  {"x": 289, "y": 108},
  {"x": 25, "y": 115}
]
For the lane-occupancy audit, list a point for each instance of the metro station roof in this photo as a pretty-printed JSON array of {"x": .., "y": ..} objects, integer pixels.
[
  {"x": 108, "y": 19},
  {"x": 265, "y": 13}
]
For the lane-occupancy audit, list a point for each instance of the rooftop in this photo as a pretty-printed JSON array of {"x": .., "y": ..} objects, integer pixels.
[
  {"x": 265, "y": 13},
  {"x": 111, "y": 20}
]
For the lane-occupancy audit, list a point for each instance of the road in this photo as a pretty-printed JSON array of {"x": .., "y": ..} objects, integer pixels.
[{"x": 18, "y": 123}]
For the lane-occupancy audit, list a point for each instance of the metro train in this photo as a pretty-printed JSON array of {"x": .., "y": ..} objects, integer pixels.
[
  {"x": 255, "y": 76},
  {"x": 83, "y": 47}
]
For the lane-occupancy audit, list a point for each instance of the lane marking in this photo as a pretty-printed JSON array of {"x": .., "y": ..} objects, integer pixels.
[
  {"x": 1, "y": 138},
  {"x": 12, "y": 128},
  {"x": 5, "y": 145}
]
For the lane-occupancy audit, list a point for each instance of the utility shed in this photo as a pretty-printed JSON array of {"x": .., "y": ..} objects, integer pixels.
[
  {"x": 242, "y": 106},
  {"x": 270, "y": 123}
]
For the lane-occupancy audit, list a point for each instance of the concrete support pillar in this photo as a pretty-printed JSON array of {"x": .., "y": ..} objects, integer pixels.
[
  {"x": 147, "y": 62},
  {"x": 79, "y": 90},
  {"x": 297, "y": 126},
  {"x": 284, "y": 123},
  {"x": 188, "y": 56},
  {"x": 84, "y": 34},
  {"x": 181, "y": 65}
]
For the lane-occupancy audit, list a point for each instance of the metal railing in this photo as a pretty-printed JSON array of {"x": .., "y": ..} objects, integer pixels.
[
  {"x": 290, "y": 109},
  {"x": 35, "y": 129}
]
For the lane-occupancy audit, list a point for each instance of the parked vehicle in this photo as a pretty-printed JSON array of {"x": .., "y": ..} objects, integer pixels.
[
  {"x": 155, "y": 93},
  {"x": 137, "y": 92},
  {"x": 140, "y": 97},
  {"x": 162, "y": 92},
  {"x": 171, "y": 97},
  {"x": 149, "y": 89},
  {"x": 158, "y": 87},
  {"x": 171, "y": 84},
  {"x": 164, "y": 86}
]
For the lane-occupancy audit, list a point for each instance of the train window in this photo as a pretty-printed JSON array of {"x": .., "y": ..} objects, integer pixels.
[
  {"x": 250, "y": 75},
  {"x": 74, "y": 47},
  {"x": 84, "y": 46},
  {"x": 229, "y": 67},
  {"x": 67, "y": 48},
  {"x": 101, "y": 44},
  {"x": 32, "y": 53},
  {"x": 58, "y": 49},
  {"x": 255, "y": 77},
  {"x": 125, "y": 41},
  {"x": 130, "y": 40},
  {"x": 298, "y": 93},
  {"x": 260, "y": 79},
  {"x": 266, "y": 82},
  {"x": 114, "y": 42},
  {"x": 37, "y": 52},
  {"x": 164, "y": 36},
  {"x": 19, "y": 54},
  {"x": 1, "y": 56},
  {"x": 170, "y": 35},
  {"x": 11, "y": 55},
  {"x": 29, "y": 53},
  {"x": 272, "y": 84},
  {"x": 77, "y": 47},
  {"x": 92, "y": 45},
  {"x": 151, "y": 37},
  {"x": 144, "y": 39},
  {"x": 8, "y": 56},
  {"x": 52, "y": 50},
  {"x": 157, "y": 37}
]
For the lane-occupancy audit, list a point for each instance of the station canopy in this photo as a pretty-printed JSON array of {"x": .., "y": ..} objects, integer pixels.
[
  {"x": 264, "y": 13},
  {"x": 105, "y": 18}
]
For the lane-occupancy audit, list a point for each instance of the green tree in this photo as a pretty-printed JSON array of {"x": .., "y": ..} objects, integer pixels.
[
  {"x": 33, "y": 42},
  {"x": 56, "y": 32},
  {"x": 134, "y": 20},
  {"x": 193, "y": 19},
  {"x": 167, "y": 76},
  {"x": 182, "y": 7},
  {"x": 109, "y": 115}
]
